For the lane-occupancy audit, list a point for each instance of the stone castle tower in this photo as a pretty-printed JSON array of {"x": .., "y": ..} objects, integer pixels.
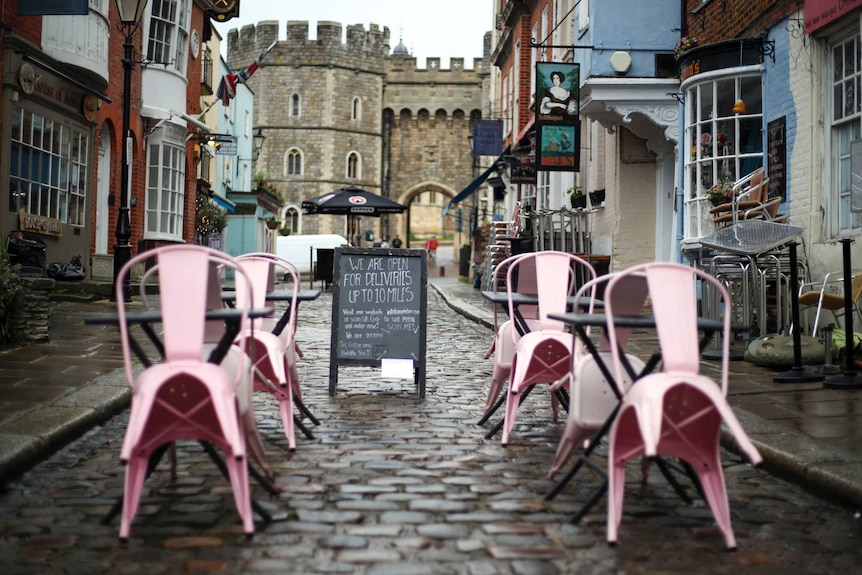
[{"x": 340, "y": 112}]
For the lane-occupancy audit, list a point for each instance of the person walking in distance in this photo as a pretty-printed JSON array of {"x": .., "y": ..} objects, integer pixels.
[{"x": 431, "y": 247}]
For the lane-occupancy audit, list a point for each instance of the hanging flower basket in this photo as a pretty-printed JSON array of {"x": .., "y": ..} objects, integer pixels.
[
  {"x": 685, "y": 44},
  {"x": 272, "y": 223},
  {"x": 720, "y": 193}
]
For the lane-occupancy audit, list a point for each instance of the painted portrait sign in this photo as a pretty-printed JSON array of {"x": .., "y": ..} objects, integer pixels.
[
  {"x": 557, "y": 109},
  {"x": 557, "y": 92}
]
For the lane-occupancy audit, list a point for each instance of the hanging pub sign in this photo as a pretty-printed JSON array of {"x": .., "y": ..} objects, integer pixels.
[
  {"x": 557, "y": 109},
  {"x": 557, "y": 147}
]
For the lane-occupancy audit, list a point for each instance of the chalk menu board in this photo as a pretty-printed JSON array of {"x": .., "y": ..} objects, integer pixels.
[{"x": 379, "y": 301}]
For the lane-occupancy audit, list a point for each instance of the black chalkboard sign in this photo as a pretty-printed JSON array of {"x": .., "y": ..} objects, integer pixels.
[
  {"x": 776, "y": 145},
  {"x": 379, "y": 301}
]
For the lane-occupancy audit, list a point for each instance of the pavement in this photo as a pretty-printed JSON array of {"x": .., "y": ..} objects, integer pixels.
[{"x": 54, "y": 392}]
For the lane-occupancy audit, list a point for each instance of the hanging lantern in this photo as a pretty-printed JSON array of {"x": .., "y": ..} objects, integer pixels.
[{"x": 739, "y": 107}]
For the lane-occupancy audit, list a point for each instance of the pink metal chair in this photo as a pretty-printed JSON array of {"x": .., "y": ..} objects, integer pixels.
[
  {"x": 675, "y": 411},
  {"x": 273, "y": 356},
  {"x": 184, "y": 397},
  {"x": 542, "y": 355},
  {"x": 592, "y": 387},
  {"x": 505, "y": 334}
]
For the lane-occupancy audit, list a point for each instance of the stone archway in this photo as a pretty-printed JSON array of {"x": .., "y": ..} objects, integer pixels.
[{"x": 424, "y": 203}]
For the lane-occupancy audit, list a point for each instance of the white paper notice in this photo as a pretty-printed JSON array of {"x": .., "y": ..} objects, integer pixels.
[{"x": 396, "y": 368}]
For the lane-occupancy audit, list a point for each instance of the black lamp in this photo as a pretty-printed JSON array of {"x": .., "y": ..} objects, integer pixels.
[
  {"x": 257, "y": 141},
  {"x": 130, "y": 14}
]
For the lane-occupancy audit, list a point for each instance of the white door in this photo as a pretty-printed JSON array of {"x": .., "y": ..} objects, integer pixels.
[{"x": 102, "y": 190}]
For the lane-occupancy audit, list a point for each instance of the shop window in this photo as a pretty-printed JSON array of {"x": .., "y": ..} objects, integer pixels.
[
  {"x": 48, "y": 167},
  {"x": 846, "y": 110}
]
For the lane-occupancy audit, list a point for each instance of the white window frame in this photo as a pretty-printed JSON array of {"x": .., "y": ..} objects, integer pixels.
[
  {"x": 50, "y": 180},
  {"x": 843, "y": 127},
  {"x": 168, "y": 34},
  {"x": 583, "y": 16},
  {"x": 707, "y": 158},
  {"x": 166, "y": 183}
]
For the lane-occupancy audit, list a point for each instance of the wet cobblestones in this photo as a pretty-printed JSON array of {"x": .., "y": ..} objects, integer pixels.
[{"x": 394, "y": 485}]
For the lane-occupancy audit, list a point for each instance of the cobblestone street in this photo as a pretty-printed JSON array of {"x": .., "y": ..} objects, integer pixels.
[{"x": 394, "y": 485}]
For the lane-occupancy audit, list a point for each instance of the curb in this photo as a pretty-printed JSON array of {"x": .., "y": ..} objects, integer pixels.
[
  {"x": 32, "y": 438},
  {"x": 824, "y": 472}
]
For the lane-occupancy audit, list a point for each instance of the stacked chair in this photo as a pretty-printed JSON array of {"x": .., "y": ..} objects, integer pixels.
[
  {"x": 274, "y": 355},
  {"x": 674, "y": 411},
  {"x": 186, "y": 396},
  {"x": 543, "y": 354},
  {"x": 595, "y": 394},
  {"x": 505, "y": 333}
]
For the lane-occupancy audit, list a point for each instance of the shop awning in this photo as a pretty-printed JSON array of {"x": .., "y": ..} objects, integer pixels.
[
  {"x": 224, "y": 202},
  {"x": 472, "y": 186}
]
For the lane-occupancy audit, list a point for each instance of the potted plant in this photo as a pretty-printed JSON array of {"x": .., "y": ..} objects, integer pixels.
[
  {"x": 597, "y": 198},
  {"x": 577, "y": 197},
  {"x": 285, "y": 231},
  {"x": 273, "y": 223},
  {"x": 720, "y": 193},
  {"x": 685, "y": 44}
]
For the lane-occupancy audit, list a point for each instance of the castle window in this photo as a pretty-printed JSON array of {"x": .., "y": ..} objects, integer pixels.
[
  {"x": 354, "y": 165},
  {"x": 295, "y": 105},
  {"x": 293, "y": 162},
  {"x": 356, "y": 109},
  {"x": 291, "y": 219}
]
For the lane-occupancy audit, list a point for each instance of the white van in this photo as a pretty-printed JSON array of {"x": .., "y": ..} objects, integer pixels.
[{"x": 301, "y": 250}]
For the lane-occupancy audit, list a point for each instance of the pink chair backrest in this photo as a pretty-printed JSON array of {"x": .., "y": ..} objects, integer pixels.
[
  {"x": 187, "y": 284},
  {"x": 673, "y": 293},
  {"x": 262, "y": 268},
  {"x": 553, "y": 273}
]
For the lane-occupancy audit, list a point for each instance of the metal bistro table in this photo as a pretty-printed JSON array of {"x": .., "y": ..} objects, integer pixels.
[{"x": 751, "y": 239}]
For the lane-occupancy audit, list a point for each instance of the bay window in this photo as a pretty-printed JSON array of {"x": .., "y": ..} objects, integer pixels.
[
  {"x": 723, "y": 139},
  {"x": 166, "y": 182}
]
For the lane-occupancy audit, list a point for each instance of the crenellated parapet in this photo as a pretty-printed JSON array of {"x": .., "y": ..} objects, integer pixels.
[
  {"x": 361, "y": 50},
  {"x": 408, "y": 66}
]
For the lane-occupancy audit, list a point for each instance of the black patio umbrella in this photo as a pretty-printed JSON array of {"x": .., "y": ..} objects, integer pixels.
[{"x": 351, "y": 201}]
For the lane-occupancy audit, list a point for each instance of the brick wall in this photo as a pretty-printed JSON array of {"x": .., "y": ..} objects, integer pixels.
[{"x": 726, "y": 19}]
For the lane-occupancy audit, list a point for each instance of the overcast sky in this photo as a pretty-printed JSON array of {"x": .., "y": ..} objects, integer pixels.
[{"x": 441, "y": 28}]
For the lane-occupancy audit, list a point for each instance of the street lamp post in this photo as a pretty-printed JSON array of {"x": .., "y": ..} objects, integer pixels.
[
  {"x": 257, "y": 142},
  {"x": 130, "y": 14}
]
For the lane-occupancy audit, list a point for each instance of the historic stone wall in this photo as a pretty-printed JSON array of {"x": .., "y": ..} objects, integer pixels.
[{"x": 424, "y": 147}]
